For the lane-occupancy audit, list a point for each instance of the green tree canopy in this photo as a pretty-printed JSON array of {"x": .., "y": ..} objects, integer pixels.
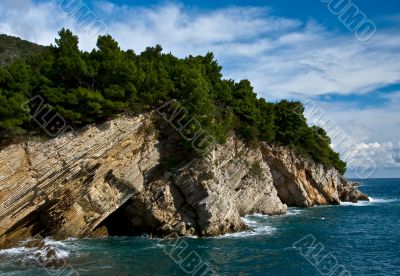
[{"x": 87, "y": 87}]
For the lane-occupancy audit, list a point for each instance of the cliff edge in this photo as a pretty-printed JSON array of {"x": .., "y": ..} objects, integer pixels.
[{"x": 122, "y": 178}]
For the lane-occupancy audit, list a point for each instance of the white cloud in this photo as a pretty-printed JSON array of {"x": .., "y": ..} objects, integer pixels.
[
  {"x": 394, "y": 98},
  {"x": 385, "y": 155},
  {"x": 282, "y": 57},
  {"x": 361, "y": 134},
  {"x": 317, "y": 63},
  {"x": 367, "y": 125}
]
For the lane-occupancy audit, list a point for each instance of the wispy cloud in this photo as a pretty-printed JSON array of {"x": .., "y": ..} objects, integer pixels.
[
  {"x": 283, "y": 57},
  {"x": 373, "y": 131}
]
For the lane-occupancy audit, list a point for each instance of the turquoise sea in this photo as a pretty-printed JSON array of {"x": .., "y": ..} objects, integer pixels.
[{"x": 351, "y": 239}]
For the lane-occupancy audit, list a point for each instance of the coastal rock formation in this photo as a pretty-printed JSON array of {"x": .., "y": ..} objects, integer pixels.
[
  {"x": 302, "y": 182},
  {"x": 67, "y": 186},
  {"x": 116, "y": 179},
  {"x": 207, "y": 196}
]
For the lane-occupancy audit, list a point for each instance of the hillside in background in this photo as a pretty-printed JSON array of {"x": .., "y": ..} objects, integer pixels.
[{"x": 12, "y": 48}]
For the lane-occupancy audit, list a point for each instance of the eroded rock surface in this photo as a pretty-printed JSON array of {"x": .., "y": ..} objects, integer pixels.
[
  {"x": 67, "y": 186},
  {"x": 208, "y": 196},
  {"x": 303, "y": 183},
  {"x": 113, "y": 179}
]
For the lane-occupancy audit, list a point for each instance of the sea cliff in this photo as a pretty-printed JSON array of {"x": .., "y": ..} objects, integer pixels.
[{"x": 125, "y": 177}]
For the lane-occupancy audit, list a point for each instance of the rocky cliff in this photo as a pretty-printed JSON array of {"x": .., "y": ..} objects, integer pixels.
[
  {"x": 119, "y": 178},
  {"x": 301, "y": 182}
]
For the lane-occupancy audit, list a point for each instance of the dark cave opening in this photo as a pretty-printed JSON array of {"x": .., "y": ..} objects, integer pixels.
[{"x": 119, "y": 223}]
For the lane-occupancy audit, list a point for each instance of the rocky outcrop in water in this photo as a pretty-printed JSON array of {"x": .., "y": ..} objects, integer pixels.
[{"x": 122, "y": 178}]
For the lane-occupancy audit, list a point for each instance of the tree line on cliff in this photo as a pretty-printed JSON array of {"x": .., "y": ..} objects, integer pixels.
[{"x": 89, "y": 87}]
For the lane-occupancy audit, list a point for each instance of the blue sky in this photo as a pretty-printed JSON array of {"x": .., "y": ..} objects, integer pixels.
[{"x": 287, "y": 49}]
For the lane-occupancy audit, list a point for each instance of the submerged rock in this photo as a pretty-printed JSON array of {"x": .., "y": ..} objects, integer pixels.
[{"x": 117, "y": 179}]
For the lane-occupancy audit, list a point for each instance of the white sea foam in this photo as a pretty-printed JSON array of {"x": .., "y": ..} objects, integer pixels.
[
  {"x": 249, "y": 222},
  {"x": 16, "y": 251},
  {"x": 290, "y": 212},
  {"x": 372, "y": 201},
  {"x": 258, "y": 215},
  {"x": 48, "y": 241},
  {"x": 258, "y": 224},
  {"x": 360, "y": 203},
  {"x": 257, "y": 227},
  {"x": 293, "y": 212},
  {"x": 257, "y": 231},
  {"x": 42, "y": 256},
  {"x": 381, "y": 200},
  {"x": 50, "y": 252}
]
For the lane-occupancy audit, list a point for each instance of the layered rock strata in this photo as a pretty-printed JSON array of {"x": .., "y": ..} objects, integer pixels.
[{"x": 116, "y": 179}]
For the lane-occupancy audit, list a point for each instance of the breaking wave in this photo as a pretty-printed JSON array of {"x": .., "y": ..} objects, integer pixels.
[
  {"x": 49, "y": 254},
  {"x": 372, "y": 201},
  {"x": 257, "y": 226}
]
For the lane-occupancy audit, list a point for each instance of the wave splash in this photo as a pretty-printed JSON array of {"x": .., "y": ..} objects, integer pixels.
[
  {"x": 257, "y": 226},
  {"x": 371, "y": 201},
  {"x": 47, "y": 253}
]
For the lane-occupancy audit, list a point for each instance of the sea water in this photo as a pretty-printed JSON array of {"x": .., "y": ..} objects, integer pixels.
[{"x": 352, "y": 239}]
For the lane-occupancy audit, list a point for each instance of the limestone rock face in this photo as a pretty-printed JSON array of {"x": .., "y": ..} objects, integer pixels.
[
  {"x": 67, "y": 186},
  {"x": 207, "y": 196},
  {"x": 303, "y": 183},
  {"x": 114, "y": 178}
]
